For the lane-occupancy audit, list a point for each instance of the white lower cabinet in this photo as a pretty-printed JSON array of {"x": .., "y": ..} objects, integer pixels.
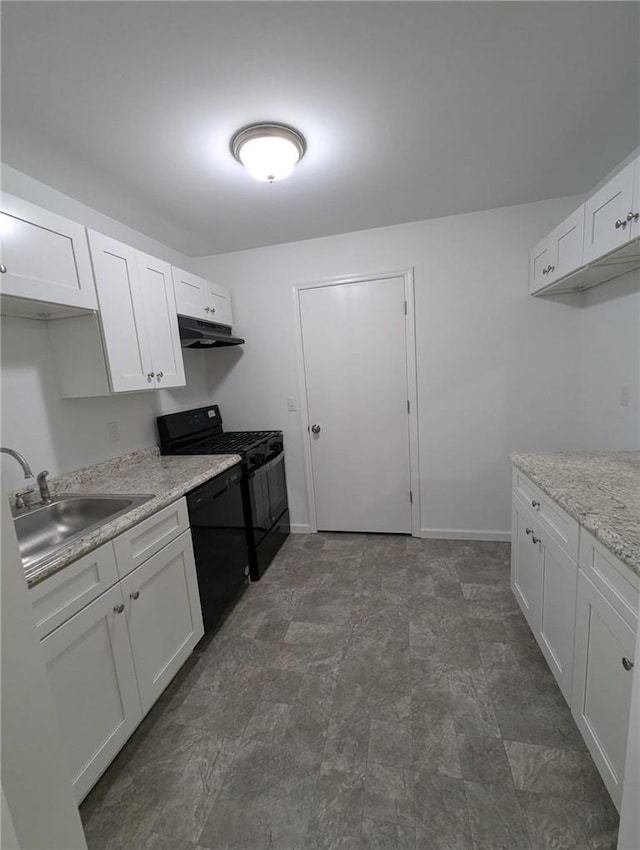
[
  {"x": 582, "y": 606},
  {"x": 111, "y": 660},
  {"x": 602, "y": 683},
  {"x": 93, "y": 680},
  {"x": 543, "y": 580},
  {"x": 526, "y": 565},
  {"x": 163, "y": 615}
]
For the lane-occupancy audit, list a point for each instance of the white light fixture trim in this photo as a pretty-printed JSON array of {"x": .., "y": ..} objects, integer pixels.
[{"x": 268, "y": 151}]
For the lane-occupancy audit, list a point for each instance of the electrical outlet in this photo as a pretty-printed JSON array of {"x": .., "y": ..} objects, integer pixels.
[
  {"x": 114, "y": 431},
  {"x": 292, "y": 404},
  {"x": 625, "y": 395}
]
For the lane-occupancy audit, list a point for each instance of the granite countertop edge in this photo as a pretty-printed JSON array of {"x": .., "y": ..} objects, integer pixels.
[
  {"x": 118, "y": 476},
  {"x": 624, "y": 549}
]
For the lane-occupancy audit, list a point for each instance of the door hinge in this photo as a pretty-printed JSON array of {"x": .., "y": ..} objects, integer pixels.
[
  {"x": 405, "y": 308},
  {"x": 410, "y": 496},
  {"x": 408, "y": 406}
]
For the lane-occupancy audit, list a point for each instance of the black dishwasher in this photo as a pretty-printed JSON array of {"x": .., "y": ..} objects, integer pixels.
[{"x": 219, "y": 542}]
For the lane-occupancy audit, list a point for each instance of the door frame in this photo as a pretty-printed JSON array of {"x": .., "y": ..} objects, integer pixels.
[{"x": 412, "y": 385}]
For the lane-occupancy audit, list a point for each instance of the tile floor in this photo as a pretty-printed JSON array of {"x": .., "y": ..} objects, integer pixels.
[{"x": 370, "y": 692}]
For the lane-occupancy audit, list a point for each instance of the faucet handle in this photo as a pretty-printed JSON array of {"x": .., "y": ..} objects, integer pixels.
[{"x": 20, "y": 498}]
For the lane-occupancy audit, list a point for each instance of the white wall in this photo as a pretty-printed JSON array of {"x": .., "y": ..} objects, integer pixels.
[
  {"x": 497, "y": 370},
  {"x": 58, "y": 434},
  {"x": 609, "y": 360}
]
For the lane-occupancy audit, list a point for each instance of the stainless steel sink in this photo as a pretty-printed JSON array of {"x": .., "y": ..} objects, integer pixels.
[{"x": 45, "y": 529}]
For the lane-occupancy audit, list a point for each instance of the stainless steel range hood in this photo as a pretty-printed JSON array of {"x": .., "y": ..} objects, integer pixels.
[{"x": 197, "y": 334}]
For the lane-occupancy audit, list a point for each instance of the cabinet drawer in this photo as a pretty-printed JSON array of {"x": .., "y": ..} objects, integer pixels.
[
  {"x": 612, "y": 578},
  {"x": 556, "y": 523},
  {"x": 142, "y": 541},
  {"x": 57, "y": 598}
]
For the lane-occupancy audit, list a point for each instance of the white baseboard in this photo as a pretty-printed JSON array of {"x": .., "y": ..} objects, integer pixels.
[
  {"x": 464, "y": 534},
  {"x": 300, "y": 528}
]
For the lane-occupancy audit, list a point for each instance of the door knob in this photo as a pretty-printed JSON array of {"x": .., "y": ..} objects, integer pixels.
[
  {"x": 118, "y": 608},
  {"x": 315, "y": 429},
  {"x": 627, "y": 664},
  {"x": 135, "y": 594}
]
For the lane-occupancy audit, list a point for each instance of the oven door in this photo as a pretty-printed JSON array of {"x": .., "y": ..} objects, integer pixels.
[{"x": 268, "y": 495}]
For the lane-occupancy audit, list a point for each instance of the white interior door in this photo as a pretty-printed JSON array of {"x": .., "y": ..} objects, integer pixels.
[{"x": 355, "y": 361}]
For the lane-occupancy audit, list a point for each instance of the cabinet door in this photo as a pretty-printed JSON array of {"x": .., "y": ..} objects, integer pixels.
[
  {"x": 526, "y": 564},
  {"x": 601, "y": 697},
  {"x": 608, "y": 207},
  {"x": 557, "y": 619},
  {"x": 541, "y": 259},
  {"x": 567, "y": 243},
  {"x": 161, "y": 321},
  {"x": 45, "y": 255},
  {"x": 219, "y": 303},
  {"x": 121, "y": 314},
  {"x": 163, "y": 612},
  {"x": 92, "y": 677},
  {"x": 190, "y": 294}
]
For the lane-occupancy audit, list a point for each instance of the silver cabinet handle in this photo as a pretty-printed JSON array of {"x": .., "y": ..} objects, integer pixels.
[
  {"x": 206, "y": 309},
  {"x": 551, "y": 268},
  {"x": 160, "y": 375},
  {"x": 135, "y": 594},
  {"x": 315, "y": 429},
  {"x": 213, "y": 309},
  {"x": 151, "y": 374},
  {"x": 3, "y": 269},
  {"x": 535, "y": 504},
  {"x": 631, "y": 216},
  {"x": 535, "y": 539},
  {"x": 620, "y": 223},
  {"x": 118, "y": 609},
  {"x": 545, "y": 271},
  {"x": 529, "y": 530},
  {"x": 627, "y": 663}
]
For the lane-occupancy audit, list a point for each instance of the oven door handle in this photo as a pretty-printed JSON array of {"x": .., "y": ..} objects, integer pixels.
[{"x": 268, "y": 465}]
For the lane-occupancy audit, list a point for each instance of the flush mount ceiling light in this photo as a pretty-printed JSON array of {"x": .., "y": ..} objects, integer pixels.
[{"x": 268, "y": 151}]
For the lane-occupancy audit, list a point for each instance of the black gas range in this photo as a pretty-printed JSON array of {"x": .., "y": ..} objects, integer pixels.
[{"x": 264, "y": 487}]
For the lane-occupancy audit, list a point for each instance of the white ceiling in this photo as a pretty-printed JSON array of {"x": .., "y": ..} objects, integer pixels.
[{"x": 410, "y": 110}]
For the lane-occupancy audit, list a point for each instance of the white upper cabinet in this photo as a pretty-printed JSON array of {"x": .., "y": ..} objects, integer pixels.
[
  {"x": 200, "y": 299},
  {"x": 161, "y": 321},
  {"x": 597, "y": 242},
  {"x": 137, "y": 346},
  {"x": 612, "y": 214},
  {"x": 45, "y": 258},
  {"x": 121, "y": 314}
]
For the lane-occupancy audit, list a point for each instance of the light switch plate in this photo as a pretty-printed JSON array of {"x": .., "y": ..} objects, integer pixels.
[{"x": 292, "y": 404}]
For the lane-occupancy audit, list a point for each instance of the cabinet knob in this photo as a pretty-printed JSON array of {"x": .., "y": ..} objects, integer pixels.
[
  {"x": 535, "y": 504},
  {"x": 213, "y": 309},
  {"x": 620, "y": 223},
  {"x": 545, "y": 271},
  {"x": 206, "y": 309},
  {"x": 135, "y": 594},
  {"x": 315, "y": 429},
  {"x": 3, "y": 268},
  {"x": 160, "y": 375},
  {"x": 551, "y": 268},
  {"x": 627, "y": 663},
  {"x": 535, "y": 539},
  {"x": 118, "y": 609},
  {"x": 631, "y": 216},
  {"x": 529, "y": 530},
  {"x": 151, "y": 375}
]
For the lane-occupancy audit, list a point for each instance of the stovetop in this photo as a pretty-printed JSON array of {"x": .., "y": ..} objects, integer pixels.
[{"x": 229, "y": 442}]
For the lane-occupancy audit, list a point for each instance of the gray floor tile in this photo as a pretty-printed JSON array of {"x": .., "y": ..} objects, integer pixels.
[
  {"x": 389, "y": 793},
  {"x": 348, "y": 738},
  {"x": 555, "y": 823},
  {"x": 442, "y": 817},
  {"x": 473, "y": 708},
  {"x": 390, "y": 743},
  {"x": 434, "y": 743},
  {"x": 554, "y": 772},
  {"x": 484, "y": 760},
  {"x": 155, "y": 841},
  {"x": 337, "y": 807},
  {"x": 495, "y": 817},
  {"x": 382, "y": 835}
]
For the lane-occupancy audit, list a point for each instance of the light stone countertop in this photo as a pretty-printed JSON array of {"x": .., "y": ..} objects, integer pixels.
[
  {"x": 143, "y": 472},
  {"x": 601, "y": 490}
]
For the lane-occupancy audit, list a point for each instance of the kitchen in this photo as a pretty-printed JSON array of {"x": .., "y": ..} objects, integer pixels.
[{"x": 498, "y": 371}]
